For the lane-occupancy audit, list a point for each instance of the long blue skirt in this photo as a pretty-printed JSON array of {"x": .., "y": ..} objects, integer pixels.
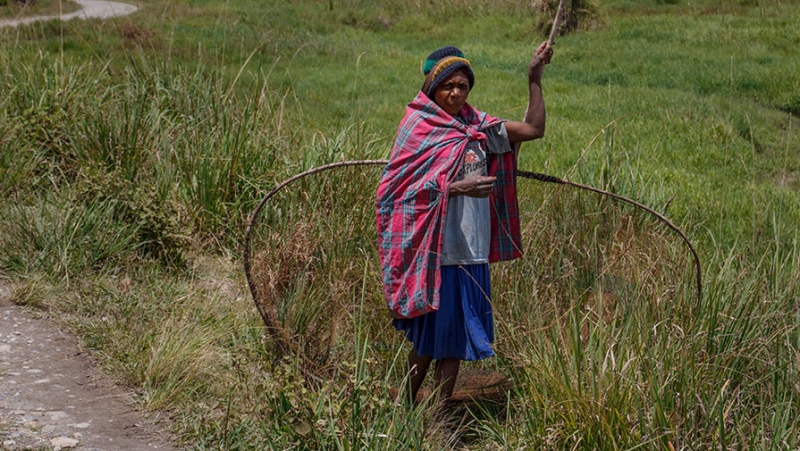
[{"x": 463, "y": 327}]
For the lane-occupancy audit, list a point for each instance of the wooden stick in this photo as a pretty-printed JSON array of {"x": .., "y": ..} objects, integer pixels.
[{"x": 559, "y": 13}]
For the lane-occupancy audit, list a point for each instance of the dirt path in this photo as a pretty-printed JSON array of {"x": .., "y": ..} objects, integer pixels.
[
  {"x": 91, "y": 9},
  {"x": 52, "y": 397}
]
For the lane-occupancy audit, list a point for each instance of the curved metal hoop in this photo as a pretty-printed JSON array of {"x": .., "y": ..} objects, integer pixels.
[{"x": 279, "y": 334}]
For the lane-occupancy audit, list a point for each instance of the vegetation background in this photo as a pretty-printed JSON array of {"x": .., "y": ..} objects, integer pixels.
[
  {"x": 21, "y": 8},
  {"x": 132, "y": 152}
]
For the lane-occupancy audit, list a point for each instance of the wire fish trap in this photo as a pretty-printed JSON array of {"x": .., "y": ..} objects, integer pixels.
[{"x": 312, "y": 267}]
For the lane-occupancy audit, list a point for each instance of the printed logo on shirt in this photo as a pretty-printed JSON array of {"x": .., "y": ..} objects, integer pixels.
[{"x": 474, "y": 164}]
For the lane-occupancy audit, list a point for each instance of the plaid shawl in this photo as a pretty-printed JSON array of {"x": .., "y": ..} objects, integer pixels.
[{"x": 412, "y": 202}]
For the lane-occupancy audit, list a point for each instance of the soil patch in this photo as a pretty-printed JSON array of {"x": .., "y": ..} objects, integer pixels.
[{"x": 53, "y": 397}]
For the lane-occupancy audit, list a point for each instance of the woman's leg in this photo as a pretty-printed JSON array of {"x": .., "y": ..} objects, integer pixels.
[
  {"x": 417, "y": 368},
  {"x": 445, "y": 378}
]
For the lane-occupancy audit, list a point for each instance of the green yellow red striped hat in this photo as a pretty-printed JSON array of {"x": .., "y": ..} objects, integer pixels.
[{"x": 443, "y": 63}]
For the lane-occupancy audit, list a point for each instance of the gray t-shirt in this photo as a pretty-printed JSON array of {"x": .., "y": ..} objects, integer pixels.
[{"x": 467, "y": 230}]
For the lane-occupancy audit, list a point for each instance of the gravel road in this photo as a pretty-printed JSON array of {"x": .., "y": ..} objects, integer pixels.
[
  {"x": 91, "y": 9},
  {"x": 52, "y": 397}
]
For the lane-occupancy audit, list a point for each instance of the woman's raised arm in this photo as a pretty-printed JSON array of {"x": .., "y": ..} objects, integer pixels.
[{"x": 532, "y": 125}]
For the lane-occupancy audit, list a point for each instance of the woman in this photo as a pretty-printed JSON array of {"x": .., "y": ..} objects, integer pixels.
[{"x": 446, "y": 208}]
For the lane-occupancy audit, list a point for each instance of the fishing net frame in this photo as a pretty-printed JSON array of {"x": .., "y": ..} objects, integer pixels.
[{"x": 267, "y": 308}]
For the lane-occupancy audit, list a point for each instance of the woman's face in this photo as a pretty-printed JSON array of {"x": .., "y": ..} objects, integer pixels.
[{"x": 452, "y": 93}]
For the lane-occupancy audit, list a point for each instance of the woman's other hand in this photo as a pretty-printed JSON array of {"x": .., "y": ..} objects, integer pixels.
[{"x": 477, "y": 186}]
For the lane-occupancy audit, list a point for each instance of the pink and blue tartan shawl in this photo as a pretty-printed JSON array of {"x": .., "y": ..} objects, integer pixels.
[{"x": 412, "y": 202}]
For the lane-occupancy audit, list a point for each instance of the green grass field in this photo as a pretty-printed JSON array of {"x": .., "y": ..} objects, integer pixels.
[
  {"x": 133, "y": 151},
  {"x": 10, "y": 9}
]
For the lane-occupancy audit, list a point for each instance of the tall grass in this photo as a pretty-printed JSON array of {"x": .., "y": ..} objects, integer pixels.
[
  {"x": 170, "y": 148},
  {"x": 638, "y": 368}
]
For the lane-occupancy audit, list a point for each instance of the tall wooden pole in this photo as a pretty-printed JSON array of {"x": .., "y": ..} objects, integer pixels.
[{"x": 559, "y": 14}]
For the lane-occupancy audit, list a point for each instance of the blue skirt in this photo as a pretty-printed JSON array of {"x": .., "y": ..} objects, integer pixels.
[{"x": 463, "y": 327}]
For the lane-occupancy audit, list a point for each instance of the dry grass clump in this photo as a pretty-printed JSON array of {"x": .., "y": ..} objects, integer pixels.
[
  {"x": 312, "y": 254},
  {"x": 284, "y": 268},
  {"x": 579, "y": 15}
]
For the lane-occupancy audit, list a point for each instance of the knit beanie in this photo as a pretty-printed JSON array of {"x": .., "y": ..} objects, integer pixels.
[{"x": 443, "y": 63}]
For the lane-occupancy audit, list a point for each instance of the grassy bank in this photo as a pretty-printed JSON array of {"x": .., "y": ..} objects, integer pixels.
[
  {"x": 133, "y": 151},
  {"x": 13, "y": 9}
]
